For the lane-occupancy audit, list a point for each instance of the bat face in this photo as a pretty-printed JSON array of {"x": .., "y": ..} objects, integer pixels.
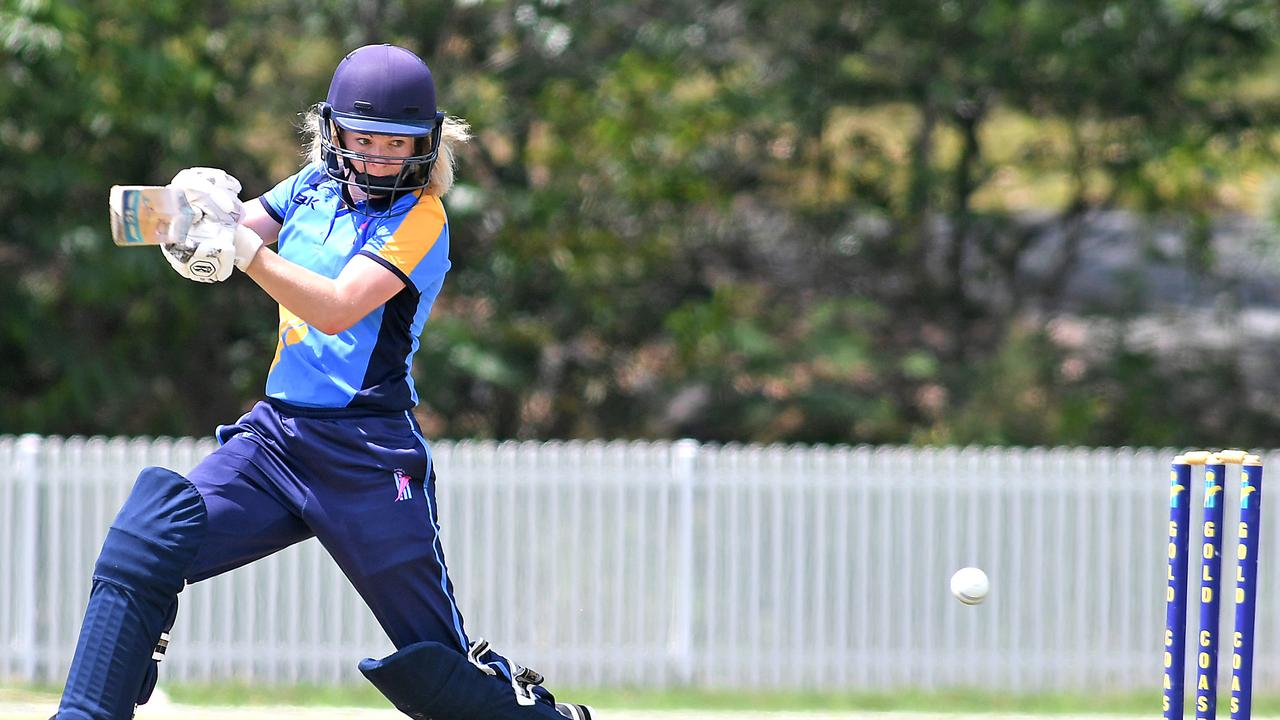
[{"x": 149, "y": 215}]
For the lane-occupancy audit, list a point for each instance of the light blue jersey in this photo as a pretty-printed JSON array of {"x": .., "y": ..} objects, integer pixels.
[{"x": 366, "y": 367}]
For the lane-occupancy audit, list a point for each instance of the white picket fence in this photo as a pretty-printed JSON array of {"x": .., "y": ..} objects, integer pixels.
[{"x": 675, "y": 564}]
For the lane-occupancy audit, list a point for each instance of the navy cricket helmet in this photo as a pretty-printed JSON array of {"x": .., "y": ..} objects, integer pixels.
[{"x": 385, "y": 90}]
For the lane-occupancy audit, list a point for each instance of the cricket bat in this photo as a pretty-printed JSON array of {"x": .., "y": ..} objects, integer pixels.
[{"x": 149, "y": 215}]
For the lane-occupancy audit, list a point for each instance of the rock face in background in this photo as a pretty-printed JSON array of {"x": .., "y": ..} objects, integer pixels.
[{"x": 1194, "y": 316}]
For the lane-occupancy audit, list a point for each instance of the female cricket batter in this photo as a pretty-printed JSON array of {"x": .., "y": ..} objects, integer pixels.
[{"x": 334, "y": 451}]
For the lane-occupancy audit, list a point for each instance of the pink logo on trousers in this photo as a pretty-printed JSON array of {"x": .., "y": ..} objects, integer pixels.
[{"x": 403, "y": 492}]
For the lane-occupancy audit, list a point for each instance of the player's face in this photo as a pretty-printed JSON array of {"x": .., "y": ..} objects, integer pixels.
[{"x": 388, "y": 146}]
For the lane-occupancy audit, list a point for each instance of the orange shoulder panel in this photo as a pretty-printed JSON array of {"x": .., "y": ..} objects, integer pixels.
[{"x": 416, "y": 235}]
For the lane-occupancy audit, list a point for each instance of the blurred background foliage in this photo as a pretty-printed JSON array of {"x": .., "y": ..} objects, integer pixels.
[{"x": 811, "y": 221}]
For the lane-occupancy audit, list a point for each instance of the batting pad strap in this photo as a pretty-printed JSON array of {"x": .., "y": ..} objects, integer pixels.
[
  {"x": 431, "y": 681},
  {"x": 477, "y": 649},
  {"x": 152, "y": 674}
]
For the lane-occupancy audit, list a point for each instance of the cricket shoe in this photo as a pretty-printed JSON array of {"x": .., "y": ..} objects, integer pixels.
[{"x": 574, "y": 711}]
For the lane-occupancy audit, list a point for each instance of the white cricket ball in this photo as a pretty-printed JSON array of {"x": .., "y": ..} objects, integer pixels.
[{"x": 970, "y": 585}]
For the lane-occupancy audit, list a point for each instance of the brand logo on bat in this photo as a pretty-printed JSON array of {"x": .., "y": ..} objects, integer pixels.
[{"x": 132, "y": 232}]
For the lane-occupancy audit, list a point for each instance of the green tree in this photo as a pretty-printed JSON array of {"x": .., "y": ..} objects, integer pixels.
[{"x": 805, "y": 221}]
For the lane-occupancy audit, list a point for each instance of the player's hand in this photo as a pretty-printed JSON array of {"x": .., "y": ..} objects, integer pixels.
[
  {"x": 211, "y": 192},
  {"x": 207, "y": 255}
]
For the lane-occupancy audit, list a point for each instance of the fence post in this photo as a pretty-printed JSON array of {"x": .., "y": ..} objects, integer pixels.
[
  {"x": 684, "y": 455},
  {"x": 27, "y": 477}
]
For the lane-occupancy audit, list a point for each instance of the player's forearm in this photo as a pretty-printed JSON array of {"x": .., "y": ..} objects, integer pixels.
[{"x": 311, "y": 296}]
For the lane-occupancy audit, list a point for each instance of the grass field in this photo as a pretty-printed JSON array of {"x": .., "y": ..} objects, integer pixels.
[
  {"x": 174, "y": 712},
  {"x": 26, "y": 710},
  {"x": 230, "y": 703}
]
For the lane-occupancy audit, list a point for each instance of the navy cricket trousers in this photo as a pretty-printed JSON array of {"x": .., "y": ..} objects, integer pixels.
[{"x": 363, "y": 486}]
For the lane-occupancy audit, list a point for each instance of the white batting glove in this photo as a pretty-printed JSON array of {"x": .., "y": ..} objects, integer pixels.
[
  {"x": 207, "y": 255},
  {"x": 213, "y": 193},
  {"x": 216, "y": 241}
]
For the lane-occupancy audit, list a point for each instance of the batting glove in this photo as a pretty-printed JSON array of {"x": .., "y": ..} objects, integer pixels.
[
  {"x": 216, "y": 241},
  {"x": 207, "y": 255},
  {"x": 212, "y": 193}
]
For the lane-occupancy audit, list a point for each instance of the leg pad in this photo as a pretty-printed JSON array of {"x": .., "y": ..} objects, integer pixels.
[{"x": 136, "y": 581}]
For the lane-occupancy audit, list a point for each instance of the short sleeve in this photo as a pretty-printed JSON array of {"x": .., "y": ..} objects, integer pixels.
[
  {"x": 414, "y": 246},
  {"x": 278, "y": 200}
]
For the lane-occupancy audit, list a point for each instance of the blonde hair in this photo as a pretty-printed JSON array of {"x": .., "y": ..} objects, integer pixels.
[{"x": 455, "y": 132}]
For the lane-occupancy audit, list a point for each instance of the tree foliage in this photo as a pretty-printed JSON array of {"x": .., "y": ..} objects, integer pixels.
[{"x": 744, "y": 220}]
